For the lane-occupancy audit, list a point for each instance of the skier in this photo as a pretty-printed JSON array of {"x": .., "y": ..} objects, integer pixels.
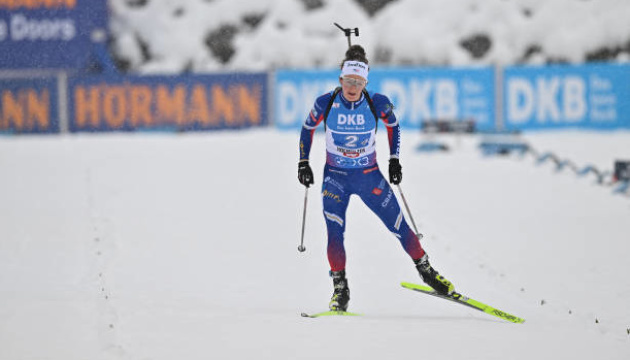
[{"x": 350, "y": 114}]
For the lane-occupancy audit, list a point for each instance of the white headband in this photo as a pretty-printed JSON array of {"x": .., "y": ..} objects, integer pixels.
[{"x": 355, "y": 68}]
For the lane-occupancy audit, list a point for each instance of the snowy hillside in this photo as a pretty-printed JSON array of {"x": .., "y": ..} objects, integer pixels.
[
  {"x": 185, "y": 247},
  {"x": 160, "y": 36}
]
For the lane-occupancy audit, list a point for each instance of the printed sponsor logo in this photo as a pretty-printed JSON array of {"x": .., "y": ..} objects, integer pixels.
[
  {"x": 21, "y": 28},
  {"x": 55, "y": 34},
  {"x": 347, "y": 162},
  {"x": 333, "y": 182},
  {"x": 355, "y": 64},
  {"x": 388, "y": 198},
  {"x": 145, "y": 103},
  {"x": 331, "y": 195},
  {"x": 25, "y": 109},
  {"x": 367, "y": 171},
  {"x": 338, "y": 172},
  {"x": 377, "y": 191},
  {"x": 29, "y": 106},
  {"x": 351, "y": 153},
  {"x": 302, "y": 151},
  {"x": 37, "y": 4},
  {"x": 350, "y": 119},
  {"x": 568, "y": 96},
  {"x": 542, "y": 101},
  {"x": 334, "y": 218},
  {"x": 503, "y": 315}
]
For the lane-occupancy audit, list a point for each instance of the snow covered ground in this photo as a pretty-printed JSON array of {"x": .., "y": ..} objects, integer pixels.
[{"x": 162, "y": 246}]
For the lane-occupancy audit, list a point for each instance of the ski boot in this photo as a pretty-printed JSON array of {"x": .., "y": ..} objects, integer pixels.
[
  {"x": 341, "y": 294},
  {"x": 432, "y": 277}
]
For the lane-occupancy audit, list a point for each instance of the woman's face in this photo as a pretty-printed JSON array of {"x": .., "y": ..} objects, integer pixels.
[{"x": 352, "y": 86}]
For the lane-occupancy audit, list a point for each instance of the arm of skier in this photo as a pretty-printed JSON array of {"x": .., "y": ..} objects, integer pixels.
[
  {"x": 314, "y": 118},
  {"x": 385, "y": 111}
]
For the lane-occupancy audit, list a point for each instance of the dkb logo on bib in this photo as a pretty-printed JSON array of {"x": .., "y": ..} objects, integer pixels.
[{"x": 350, "y": 119}]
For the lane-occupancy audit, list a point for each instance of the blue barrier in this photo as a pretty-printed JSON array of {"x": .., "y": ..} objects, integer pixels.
[
  {"x": 490, "y": 147},
  {"x": 607, "y": 177},
  {"x": 622, "y": 188},
  {"x": 432, "y": 146},
  {"x": 590, "y": 169}
]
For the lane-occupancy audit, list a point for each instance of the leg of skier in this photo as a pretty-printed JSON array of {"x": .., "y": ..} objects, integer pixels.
[
  {"x": 335, "y": 202},
  {"x": 380, "y": 198}
]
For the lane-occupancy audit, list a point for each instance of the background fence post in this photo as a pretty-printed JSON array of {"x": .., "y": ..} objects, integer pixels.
[
  {"x": 498, "y": 97},
  {"x": 63, "y": 111}
]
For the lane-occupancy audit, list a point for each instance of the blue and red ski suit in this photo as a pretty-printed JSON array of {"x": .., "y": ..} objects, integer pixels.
[{"x": 351, "y": 168}]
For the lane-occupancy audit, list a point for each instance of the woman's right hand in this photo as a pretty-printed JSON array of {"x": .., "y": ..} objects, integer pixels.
[{"x": 305, "y": 174}]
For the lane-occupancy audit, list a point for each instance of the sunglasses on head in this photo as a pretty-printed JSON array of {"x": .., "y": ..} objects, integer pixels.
[{"x": 353, "y": 81}]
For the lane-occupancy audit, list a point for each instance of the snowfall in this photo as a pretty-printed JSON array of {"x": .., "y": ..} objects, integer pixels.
[{"x": 184, "y": 246}]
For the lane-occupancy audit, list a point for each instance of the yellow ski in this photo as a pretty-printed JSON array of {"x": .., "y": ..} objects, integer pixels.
[
  {"x": 330, "y": 313},
  {"x": 464, "y": 300}
]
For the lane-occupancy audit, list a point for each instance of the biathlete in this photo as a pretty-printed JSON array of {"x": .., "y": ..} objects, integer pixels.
[{"x": 350, "y": 114}]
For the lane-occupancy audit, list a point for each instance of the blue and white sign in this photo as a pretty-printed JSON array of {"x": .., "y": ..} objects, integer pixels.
[
  {"x": 424, "y": 94},
  {"x": 588, "y": 96},
  {"x": 295, "y": 93},
  {"x": 50, "y": 34},
  {"x": 418, "y": 94}
]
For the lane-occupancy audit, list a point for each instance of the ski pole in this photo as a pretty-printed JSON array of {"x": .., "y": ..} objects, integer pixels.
[
  {"x": 409, "y": 212},
  {"x": 301, "y": 248}
]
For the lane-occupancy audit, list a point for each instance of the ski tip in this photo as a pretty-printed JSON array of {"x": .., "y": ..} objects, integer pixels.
[
  {"x": 413, "y": 286},
  {"x": 464, "y": 300}
]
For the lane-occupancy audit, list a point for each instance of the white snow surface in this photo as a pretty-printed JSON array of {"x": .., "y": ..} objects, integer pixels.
[
  {"x": 404, "y": 32},
  {"x": 162, "y": 246}
]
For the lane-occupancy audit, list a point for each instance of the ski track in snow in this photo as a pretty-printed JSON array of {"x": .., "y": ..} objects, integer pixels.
[{"x": 158, "y": 246}]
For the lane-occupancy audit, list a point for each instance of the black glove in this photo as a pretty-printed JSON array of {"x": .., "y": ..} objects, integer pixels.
[
  {"x": 305, "y": 174},
  {"x": 395, "y": 171}
]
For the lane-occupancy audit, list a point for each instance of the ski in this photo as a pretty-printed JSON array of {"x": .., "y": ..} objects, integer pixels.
[
  {"x": 464, "y": 300},
  {"x": 330, "y": 313}
]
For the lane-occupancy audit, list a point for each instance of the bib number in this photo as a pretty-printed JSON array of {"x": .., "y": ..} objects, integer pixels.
[{"x": 351, "y": 141}]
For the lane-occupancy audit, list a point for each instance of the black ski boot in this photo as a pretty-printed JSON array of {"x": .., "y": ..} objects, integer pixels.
[
  {"x": 432, "y": 277},
  {"x": 341, "y": 295}
]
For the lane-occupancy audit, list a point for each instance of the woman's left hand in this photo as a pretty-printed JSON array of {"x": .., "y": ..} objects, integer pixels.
[{"x": 395, "y": 171}]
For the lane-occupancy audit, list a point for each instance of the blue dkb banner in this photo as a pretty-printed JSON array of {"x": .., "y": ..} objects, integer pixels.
[
  {"x": 54, "y": 34},
  {"x": 561, "y": 96},
  {"x": 418, "y": 94}
]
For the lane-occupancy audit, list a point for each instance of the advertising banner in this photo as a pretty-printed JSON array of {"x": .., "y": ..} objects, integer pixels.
[
  {"x": 49, "y": 33},
  {"x": 418, "y": 94},
  {"x": 175, "y": 103},
  {"x": 562, "y": 96},
  {"x": 29, "y": 106}
]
